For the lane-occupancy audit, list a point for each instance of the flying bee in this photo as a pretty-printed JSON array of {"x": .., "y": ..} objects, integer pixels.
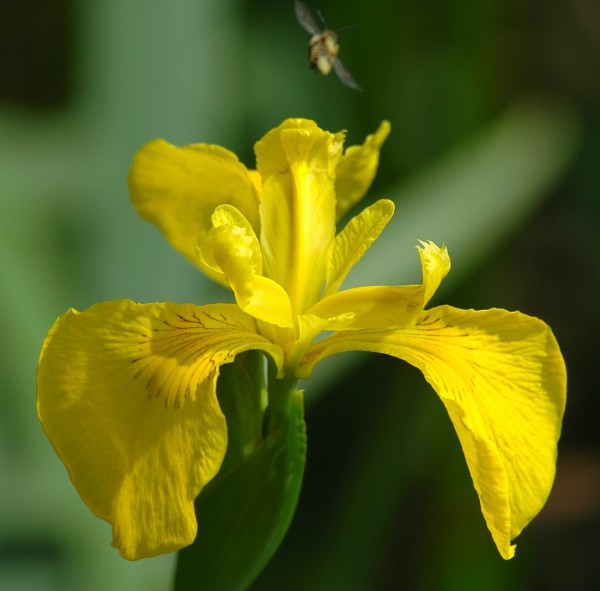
[{"x": 323, "y": 47}]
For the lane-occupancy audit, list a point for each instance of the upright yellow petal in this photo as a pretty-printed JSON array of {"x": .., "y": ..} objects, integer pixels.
[
  {"x": 356, "y": 170},
  {"x": 502, "y": 379},
  {"x": 297, "y": 163},
  {"x": 179, "y": 188},
  {"x": 435, "y": 265},
  {"x": 126, "y": 395},
  {"x": 355, "y": 239}
]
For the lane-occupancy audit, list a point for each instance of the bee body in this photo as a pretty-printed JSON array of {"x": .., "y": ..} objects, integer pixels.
[{"x": 323, "y": 48}]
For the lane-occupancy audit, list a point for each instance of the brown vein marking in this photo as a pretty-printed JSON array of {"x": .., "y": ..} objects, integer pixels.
[{"x": 183, "y": 345}]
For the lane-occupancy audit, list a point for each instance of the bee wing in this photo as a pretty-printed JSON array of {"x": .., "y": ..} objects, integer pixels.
[
  {"x": 305, "y": 18},
  {"x": 345, "y": 76}
]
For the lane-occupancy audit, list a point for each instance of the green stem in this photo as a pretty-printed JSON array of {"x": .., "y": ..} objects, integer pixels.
[
  {"x": 244, "y": 513},
  {"x": 280, "y": 391}
]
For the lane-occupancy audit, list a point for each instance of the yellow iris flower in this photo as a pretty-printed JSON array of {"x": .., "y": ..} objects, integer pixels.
[{"x": 126, "y": 391}]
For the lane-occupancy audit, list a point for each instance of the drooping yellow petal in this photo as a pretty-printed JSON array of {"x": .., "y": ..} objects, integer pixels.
[
  {"x": 502, "y": 379},
  {"x": 354, "y": 240},
  {"x": 297, "y": 163},
  {"x": 179, "y": 188},
  {"x": 235, "y": 249},
  {"x": 357, "y": 169},
  {"x": 126, "y": 395}
]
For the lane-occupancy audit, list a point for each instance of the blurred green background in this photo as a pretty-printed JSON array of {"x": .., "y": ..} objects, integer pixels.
[{"x": 495, "y": 150}]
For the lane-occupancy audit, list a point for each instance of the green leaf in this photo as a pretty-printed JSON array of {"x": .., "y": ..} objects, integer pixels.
[
  {"x": 242, "y": 395},
  {"x": 245, "y": 512}
]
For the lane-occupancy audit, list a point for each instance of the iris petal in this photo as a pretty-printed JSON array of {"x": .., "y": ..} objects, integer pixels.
[
  {"x": 297, "y": 163},
  {"x": 126, "y": 395},
  {"x": 371, "y": 307},
  {"x": 354, "y": 240},
  {"x": 435, "y": 265},
  {"x": 235, "y": 249},
  {"x": 227, "y": 220},
  {"x": 383, "y": 306},
  {"x": 356, "y": 170},
  {"x": 503, "y": 381},
  {"x": 177, "y": 189}
]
